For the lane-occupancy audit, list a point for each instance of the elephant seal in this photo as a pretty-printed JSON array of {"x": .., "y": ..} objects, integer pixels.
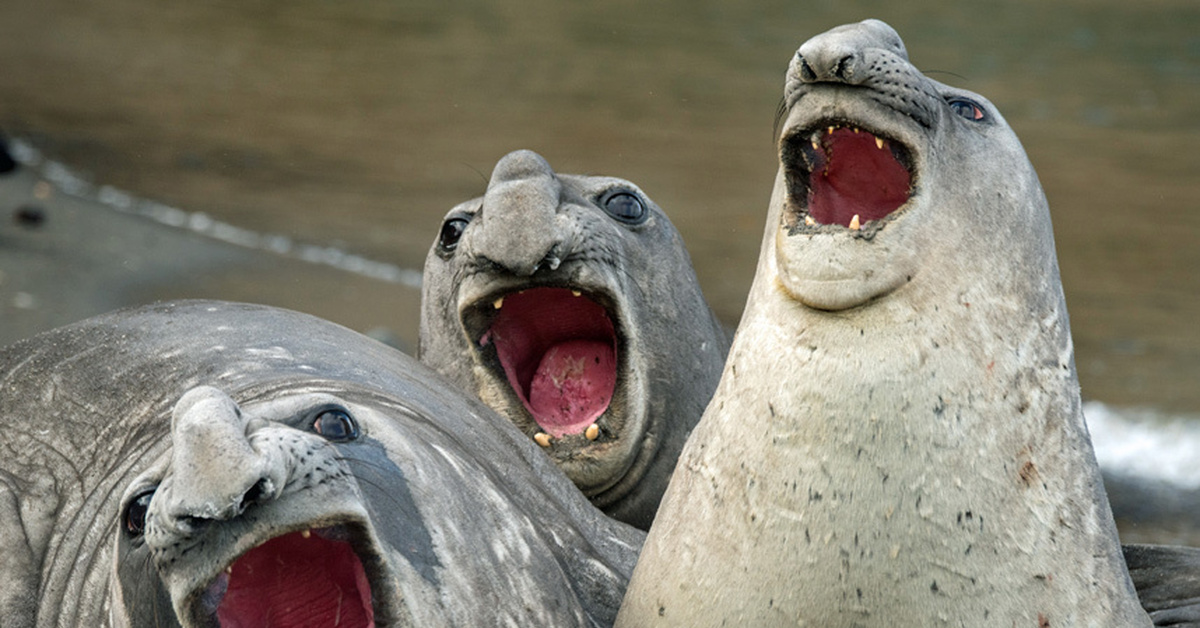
[
  {"x": 569, "y": 305},
  {"x": 897, "y": 438},
  {"x": 207, "y": 463},
  {"x": 1168, "y": 583}
]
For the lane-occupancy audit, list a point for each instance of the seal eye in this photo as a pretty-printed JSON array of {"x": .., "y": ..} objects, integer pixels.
[
  {"x": 452, "y": 231},
  {"x": 625, "y": 207},
  {"x": 135, "y": 513},
  {"x": 336, "y": 425},
  {"x": 966, "y": 108}
]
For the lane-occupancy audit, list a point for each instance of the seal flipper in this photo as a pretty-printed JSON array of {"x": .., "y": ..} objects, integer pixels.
[
  {"x": 19, "y": 573},
  {"x": 1167, "y": 579}
]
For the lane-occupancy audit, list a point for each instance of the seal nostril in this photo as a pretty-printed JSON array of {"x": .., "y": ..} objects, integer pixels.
[
  {"x": 845, "y": 69},
  {"x": 257, "y": 493},
  {"x": 806, "y": 72},
  {"x": 190, "y": 526}
]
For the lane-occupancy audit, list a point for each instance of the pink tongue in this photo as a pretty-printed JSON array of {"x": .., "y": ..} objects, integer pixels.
[{"x": 572, "y": 385}]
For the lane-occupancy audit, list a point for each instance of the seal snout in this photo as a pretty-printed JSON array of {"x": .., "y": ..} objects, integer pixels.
[
  {"x": 218, "y": 474},
  {"x": 839, "y": 55},
  {"x": 521, "y": 200}
]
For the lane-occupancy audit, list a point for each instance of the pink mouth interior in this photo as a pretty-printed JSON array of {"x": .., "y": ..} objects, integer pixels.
[
  {"x": 559, "y": 352},
  {"x": 292, "y": 581},
  {"x": 854, "y": 176}
]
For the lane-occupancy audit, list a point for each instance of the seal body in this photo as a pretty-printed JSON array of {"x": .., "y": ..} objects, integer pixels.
[
  {"x": 569, "y": 304},
  {"x": 897, "y": 437},
  {"x": 191, "y": 463}
]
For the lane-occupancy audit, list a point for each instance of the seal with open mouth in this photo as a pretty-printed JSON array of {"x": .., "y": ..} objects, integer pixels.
[
  {"x": 568, "y": 304},
  {"x": 897, "y": 437},
  {"x": 213, "y": 464}
]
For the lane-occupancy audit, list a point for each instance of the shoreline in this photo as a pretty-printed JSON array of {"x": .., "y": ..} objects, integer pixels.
[{"x": 70, "y": 250}]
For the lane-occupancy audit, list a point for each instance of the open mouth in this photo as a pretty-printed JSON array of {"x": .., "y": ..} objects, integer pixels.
[
  {"x": 557, "y": 348},
  {"x": 308, "y": 578},
  {"x": 840, "y": 174}
]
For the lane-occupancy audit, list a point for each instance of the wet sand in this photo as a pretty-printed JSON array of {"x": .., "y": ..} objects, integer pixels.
[{"x": 357, "y": 125}]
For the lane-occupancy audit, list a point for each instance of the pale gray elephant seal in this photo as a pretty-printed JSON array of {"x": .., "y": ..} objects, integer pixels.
[
  {"x": 204, "y": 464},
  {"x": 568, "y": 304},
  {"x": 897, "y": 437}
]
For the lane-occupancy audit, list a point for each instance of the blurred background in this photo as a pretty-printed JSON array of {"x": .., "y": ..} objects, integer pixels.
[{"x": 302, "y": 153}]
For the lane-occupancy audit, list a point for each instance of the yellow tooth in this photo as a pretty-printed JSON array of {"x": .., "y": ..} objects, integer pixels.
[
  {"x": 576, "y": 292},
  {"x": 854, "y": 222},
  {"x": 856, "y": 129},
  {"x": 830, "y": 130},
  {"x": 816, "y": 145},
  {"x": 879, "y": 142},
  {"x": 498, "y": 303},
  {"x": 592, "y": 432},
  {"x": 229, "y": 569},
  {"x": 809, "y": 221},
  {"x": 306, "y": 533},
  {"x": 542, "y": 439}
]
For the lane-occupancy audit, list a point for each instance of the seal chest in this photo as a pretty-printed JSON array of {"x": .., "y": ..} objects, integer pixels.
[{"x": 897, "y": 436}]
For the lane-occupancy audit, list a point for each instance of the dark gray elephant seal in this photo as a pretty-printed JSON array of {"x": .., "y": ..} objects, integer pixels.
[
  {"x": 301, "y": 462},
  {"x": 897, "y": 437},
  {"x": 568, "y": 304},
  {"x": 1168, "y": 583}
]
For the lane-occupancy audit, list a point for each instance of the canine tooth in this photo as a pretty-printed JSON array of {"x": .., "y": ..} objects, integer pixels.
[
  {"x": 576, "y": 293},
  {"x": 229, "y": 569},
  {"x": 542, "y": 439},
  {"x": 592, "y": 432},
  {"x": 498, "y": 303},
  {"x": 816, "y": 144},
  {"x": 808, "y": 220},
  {"x": 306, "y": 533},
  {"x": 854, "y": 222},
  {"x": 830, "y": 131},
  {"x": 879, "y": 143}
]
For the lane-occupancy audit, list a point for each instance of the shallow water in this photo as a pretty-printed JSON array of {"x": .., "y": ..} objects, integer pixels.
[{"x": 357, "y": 124}]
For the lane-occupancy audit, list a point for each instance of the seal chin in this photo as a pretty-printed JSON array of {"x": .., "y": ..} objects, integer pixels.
[
  {"x": 845, "y": 184},
  {"x": 310, "y": 577}
]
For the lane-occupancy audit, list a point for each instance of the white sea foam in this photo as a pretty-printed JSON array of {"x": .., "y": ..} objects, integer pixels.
[
  {"x": 71, "y": 183},
  {"x": 1146, "y": 444}
]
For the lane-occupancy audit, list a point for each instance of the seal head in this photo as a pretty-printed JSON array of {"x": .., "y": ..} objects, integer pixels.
[
  {"x": 205, "y": 464},
  {"x": 568, "y": 304},
  {"x": 897, "y": 436}
]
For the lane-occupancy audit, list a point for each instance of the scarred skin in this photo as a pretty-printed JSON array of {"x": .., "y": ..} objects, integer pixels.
[
  {"x": 210, "y": 415},
  {"x": 536, "y": 228},
  {"x": 897, "y": 437}
]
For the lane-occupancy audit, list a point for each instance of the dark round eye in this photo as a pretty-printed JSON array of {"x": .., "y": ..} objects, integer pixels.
[
  {"x": 625, "y": 207},
  {"x": 336, "y": 425},
  {"x": 452, "y": 231},
  {"x": 135, "y": 514},
  {"x": 966, "y": 108}
]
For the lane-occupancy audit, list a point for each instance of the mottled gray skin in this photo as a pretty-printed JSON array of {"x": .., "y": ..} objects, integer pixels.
[
  {"x": 897, "y": 437},
  {"x": 458, "y": 518},
  {"x": 1168, "y": 583},
  {"x": 534, "y": 227}
]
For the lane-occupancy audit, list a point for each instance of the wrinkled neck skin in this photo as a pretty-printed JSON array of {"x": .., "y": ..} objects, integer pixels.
[
  {"x": 914, "y": 455},
  {"x": 57, "y": 522}
]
